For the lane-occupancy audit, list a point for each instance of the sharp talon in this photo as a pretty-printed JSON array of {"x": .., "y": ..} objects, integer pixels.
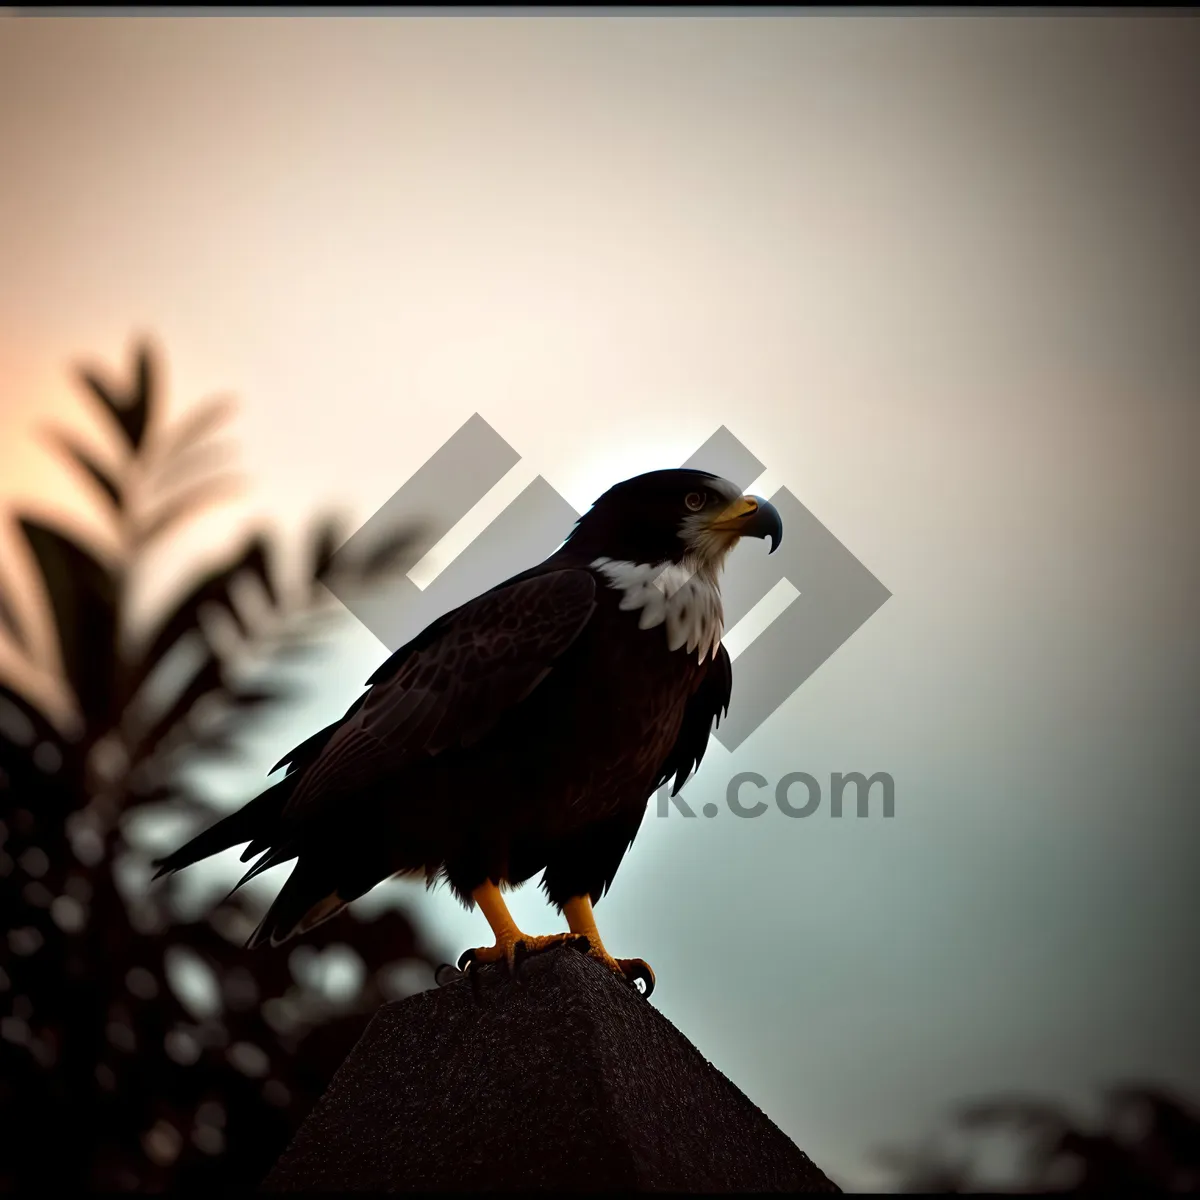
[
  {"x": 446, "y": 975},
  {"x": 639, "y": 975},
  {"x": 465, "y": 959}
]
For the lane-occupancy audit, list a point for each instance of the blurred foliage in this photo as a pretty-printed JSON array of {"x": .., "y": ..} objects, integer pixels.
[
  {"x": 112, "y": 1074},
  {"x": 1146, "y": 1143}
]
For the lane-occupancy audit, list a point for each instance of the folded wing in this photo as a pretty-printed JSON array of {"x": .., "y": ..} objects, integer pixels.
[{"x": 451, "y": 686}]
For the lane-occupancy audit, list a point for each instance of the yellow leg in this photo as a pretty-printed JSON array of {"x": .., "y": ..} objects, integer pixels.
[
  {"x": 582, "y": 920},
  {"x": 508, "y": 935},
  {"x": 491, "y": 904}
]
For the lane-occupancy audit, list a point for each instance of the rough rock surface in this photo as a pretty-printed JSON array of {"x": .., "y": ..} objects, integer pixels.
[{"x": 567, "y": 1080}]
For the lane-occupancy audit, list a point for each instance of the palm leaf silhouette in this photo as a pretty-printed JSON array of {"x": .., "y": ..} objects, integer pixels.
[
  {"x": 86, "y": 462},
  {"x": 9, "y": 622},
  {"x": 100, "y": 1041},
  {"x": 83, "y": 593},
  {"x": 131, "y": 409}
]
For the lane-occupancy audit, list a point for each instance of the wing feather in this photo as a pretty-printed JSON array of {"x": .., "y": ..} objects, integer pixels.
[
  {"x": 453, "y": 683},
  {"x": 705, "y": 707}
]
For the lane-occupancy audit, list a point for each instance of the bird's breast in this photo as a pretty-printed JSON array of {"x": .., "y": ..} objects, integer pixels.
[{"x": 683, "y": 602}]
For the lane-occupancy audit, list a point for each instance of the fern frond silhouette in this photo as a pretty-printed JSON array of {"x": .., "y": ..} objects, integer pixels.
[{"x": 102, "y": 1044}]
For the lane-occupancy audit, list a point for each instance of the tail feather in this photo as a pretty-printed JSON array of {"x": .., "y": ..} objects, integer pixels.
[
  {"x": 280, "y": 854},
  {"x": 305, "y": 901},
  {"x": 256, "y": 821}
]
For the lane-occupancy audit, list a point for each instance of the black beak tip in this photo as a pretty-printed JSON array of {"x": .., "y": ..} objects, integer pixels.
[{"x": 767, "y": 523}]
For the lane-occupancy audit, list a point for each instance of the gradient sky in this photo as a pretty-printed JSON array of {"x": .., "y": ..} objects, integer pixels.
[{"x": 940, "y": 273}]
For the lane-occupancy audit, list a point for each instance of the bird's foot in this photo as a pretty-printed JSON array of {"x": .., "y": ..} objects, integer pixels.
[
  {"x": 511, "y": 950},
  {"x": 634, "y": 971}
]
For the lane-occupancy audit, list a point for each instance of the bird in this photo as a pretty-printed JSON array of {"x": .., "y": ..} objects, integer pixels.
[{"x": 521, "y": 732}]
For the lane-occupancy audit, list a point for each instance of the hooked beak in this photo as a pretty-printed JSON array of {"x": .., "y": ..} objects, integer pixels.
[{"x": 752, "y": 516}]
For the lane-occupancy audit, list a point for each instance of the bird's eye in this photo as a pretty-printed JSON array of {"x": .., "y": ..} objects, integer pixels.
[{"x": 694, "y": 501}]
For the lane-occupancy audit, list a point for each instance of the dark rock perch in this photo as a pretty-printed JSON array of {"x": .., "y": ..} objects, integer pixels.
[{"x": 568, "y": 1080}]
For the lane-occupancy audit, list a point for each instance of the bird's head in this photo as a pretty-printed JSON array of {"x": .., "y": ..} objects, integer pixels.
[{"x": 678, "y": 516}]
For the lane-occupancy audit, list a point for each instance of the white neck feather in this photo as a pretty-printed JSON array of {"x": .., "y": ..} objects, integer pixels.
[{"x": 683, "y": 597}]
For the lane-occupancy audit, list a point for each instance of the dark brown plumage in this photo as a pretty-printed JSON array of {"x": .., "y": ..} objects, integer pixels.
[{"x": 523, "y": 731}]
